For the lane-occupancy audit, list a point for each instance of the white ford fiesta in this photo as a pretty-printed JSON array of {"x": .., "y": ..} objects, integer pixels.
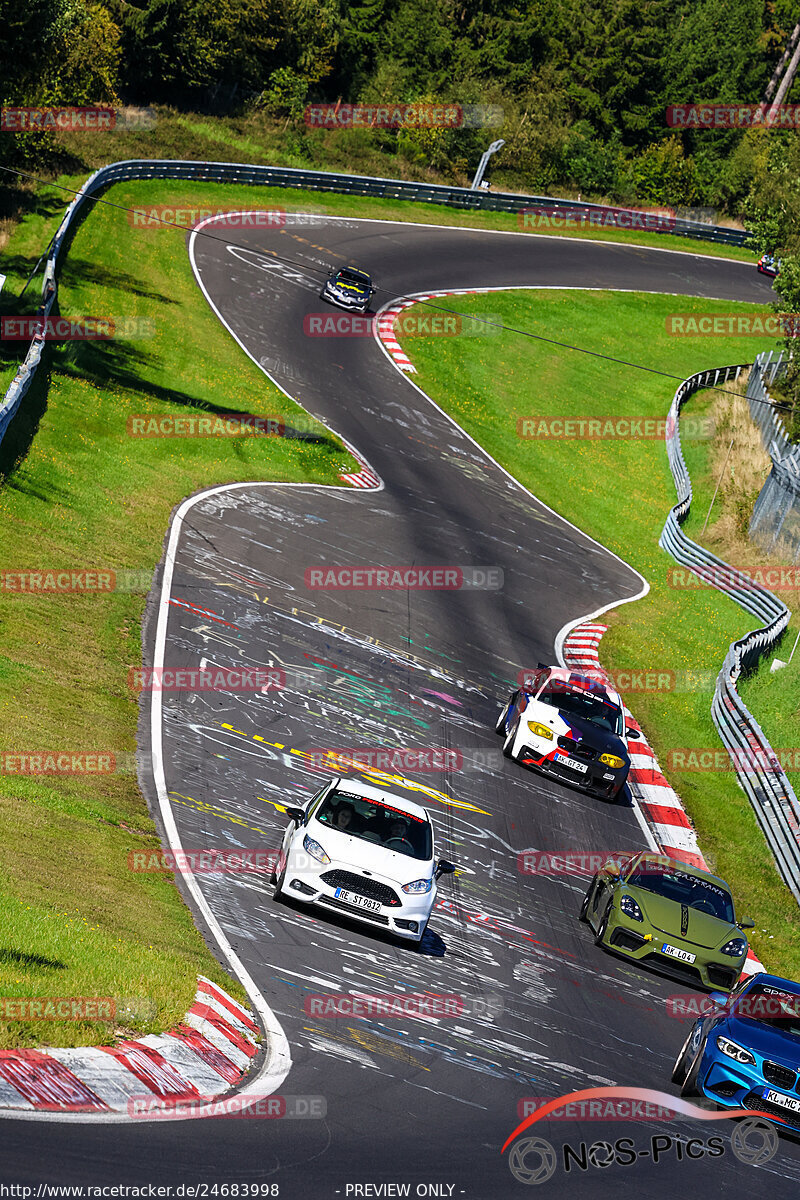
[{"x": 365, "y": 853}]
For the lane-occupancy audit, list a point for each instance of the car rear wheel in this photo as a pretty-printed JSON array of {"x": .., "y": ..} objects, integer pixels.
[
  {"x": 509, "y": 742},
  {"x": 584, "y": 913},
  {"x": 602, "y": 928}
]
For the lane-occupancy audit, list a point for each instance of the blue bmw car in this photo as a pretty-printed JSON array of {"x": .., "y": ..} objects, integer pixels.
[{"x": 746, "y": 1053}]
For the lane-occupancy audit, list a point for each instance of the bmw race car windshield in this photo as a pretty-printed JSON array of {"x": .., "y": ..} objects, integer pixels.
[
  {"x": 700, "y": 894},
  {"x": 769, "y": 1006},
  {"x": 596, "y": 709},
  {"x": 371, "y": 821}
]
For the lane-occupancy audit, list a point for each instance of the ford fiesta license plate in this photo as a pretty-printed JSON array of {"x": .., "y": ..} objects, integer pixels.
[
  {"x": 791, "y": 1102},
  {"x": 674, "y": 952},
  {"x": 358, "y": 901},
  {"x": 571, "y": 762}
]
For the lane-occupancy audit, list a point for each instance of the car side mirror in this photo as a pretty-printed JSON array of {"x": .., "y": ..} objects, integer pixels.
[
  {"x": 443, "y": 867},
  {"x": 634, "y": 733},
  {"x": 298, "y": 815},
  {"x": 719, "y": 1000},
  {"x": 746, "y": 923}
]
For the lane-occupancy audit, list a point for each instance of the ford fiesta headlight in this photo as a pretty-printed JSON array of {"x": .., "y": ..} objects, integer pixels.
[
  {"x": 315, "y": 850},
  {"x": 735, "y": 947},
  {"x": 540, "y": 730},
  {"x": 611, "y": 760},
  {"x": 735, "y": 1051},
  {"x": 418, "y": 886},
  {"x": 631, "y": 909}
]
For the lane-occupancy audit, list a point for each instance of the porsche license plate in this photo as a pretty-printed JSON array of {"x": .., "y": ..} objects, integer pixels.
[
  {"x": 791, "y": 1102},
  {"x": 674, "y": 952},
  {"x": 571, "y": 762},
  {"x": 358, "y": 901}
]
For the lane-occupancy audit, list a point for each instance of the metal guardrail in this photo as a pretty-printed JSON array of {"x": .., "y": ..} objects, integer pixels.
[
  {"x": 758, "y": 770},
  {"x": 293, "y": 177}
]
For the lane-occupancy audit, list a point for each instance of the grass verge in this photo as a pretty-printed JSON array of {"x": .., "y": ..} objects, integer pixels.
[
  {"x": 619, "y": 491},
  {"x": 257, "y": 139},
  {"x": 80, "y": 493}
]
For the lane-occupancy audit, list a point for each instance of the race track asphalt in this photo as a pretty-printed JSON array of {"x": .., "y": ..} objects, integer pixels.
[{"x": 408, "y": 1102}]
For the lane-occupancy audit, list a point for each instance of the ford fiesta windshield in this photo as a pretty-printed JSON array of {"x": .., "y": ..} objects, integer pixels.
[
  {"x": 370, "y": 821},
  {"x": 590, "y": 706},
  {"x": 698, "y": 894}
]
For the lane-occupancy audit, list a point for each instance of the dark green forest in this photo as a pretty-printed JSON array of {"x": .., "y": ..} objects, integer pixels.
[{"x": 583, "y": 89}]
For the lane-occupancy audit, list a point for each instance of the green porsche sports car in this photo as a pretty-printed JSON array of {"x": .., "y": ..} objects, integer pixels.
[{"x": 667, "y": 915}]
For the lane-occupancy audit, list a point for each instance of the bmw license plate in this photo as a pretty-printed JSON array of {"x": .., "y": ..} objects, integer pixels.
[
  {"x": 674, "y": 952},
  {"x": 358, "y": 901},
  {"x": 791, "y": 1102},
  {"x": 571, "y": 762}
]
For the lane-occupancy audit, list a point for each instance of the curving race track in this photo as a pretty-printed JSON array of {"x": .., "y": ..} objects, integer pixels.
[{"x": 408, "y": 1102}]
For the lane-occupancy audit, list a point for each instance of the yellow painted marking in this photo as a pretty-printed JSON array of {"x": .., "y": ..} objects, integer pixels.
[
  {"x": 221, "y": 814},
  {"x": 379, "y": 1045},
  {"x": 274, "y": 803},
  {"x": 239, "y": 731}
]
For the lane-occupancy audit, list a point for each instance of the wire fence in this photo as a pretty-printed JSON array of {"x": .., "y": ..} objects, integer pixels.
[
  {"x": 775, "y": 522},
  {"x": 757, "y": 767}
]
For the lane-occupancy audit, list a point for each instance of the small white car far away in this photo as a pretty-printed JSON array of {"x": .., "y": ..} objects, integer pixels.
[{"x": 365, "y": 853}]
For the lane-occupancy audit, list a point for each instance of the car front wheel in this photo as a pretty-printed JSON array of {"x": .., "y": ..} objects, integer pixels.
[
  {"x": 508, "y": 744},
  {"x": 602, "y": 928},
  {"x": 681, "y": 1068},
  {"x": 583, "y": 915},
  {"x": 689, "y": 1086},
  {"x": 501, "y": 720},
  {"x": 279, "y": 880}
]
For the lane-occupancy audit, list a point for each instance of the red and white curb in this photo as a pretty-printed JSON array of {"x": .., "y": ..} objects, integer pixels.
[
  {"x": 659, "y": 804},
  {"x": 206, "y": 1055},
  {"x": 366, "y": 477},
  {"x": 388, "y": 316}
]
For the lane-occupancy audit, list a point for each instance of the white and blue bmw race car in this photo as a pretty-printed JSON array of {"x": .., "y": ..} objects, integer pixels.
[{"x": 570, "y": 727}]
